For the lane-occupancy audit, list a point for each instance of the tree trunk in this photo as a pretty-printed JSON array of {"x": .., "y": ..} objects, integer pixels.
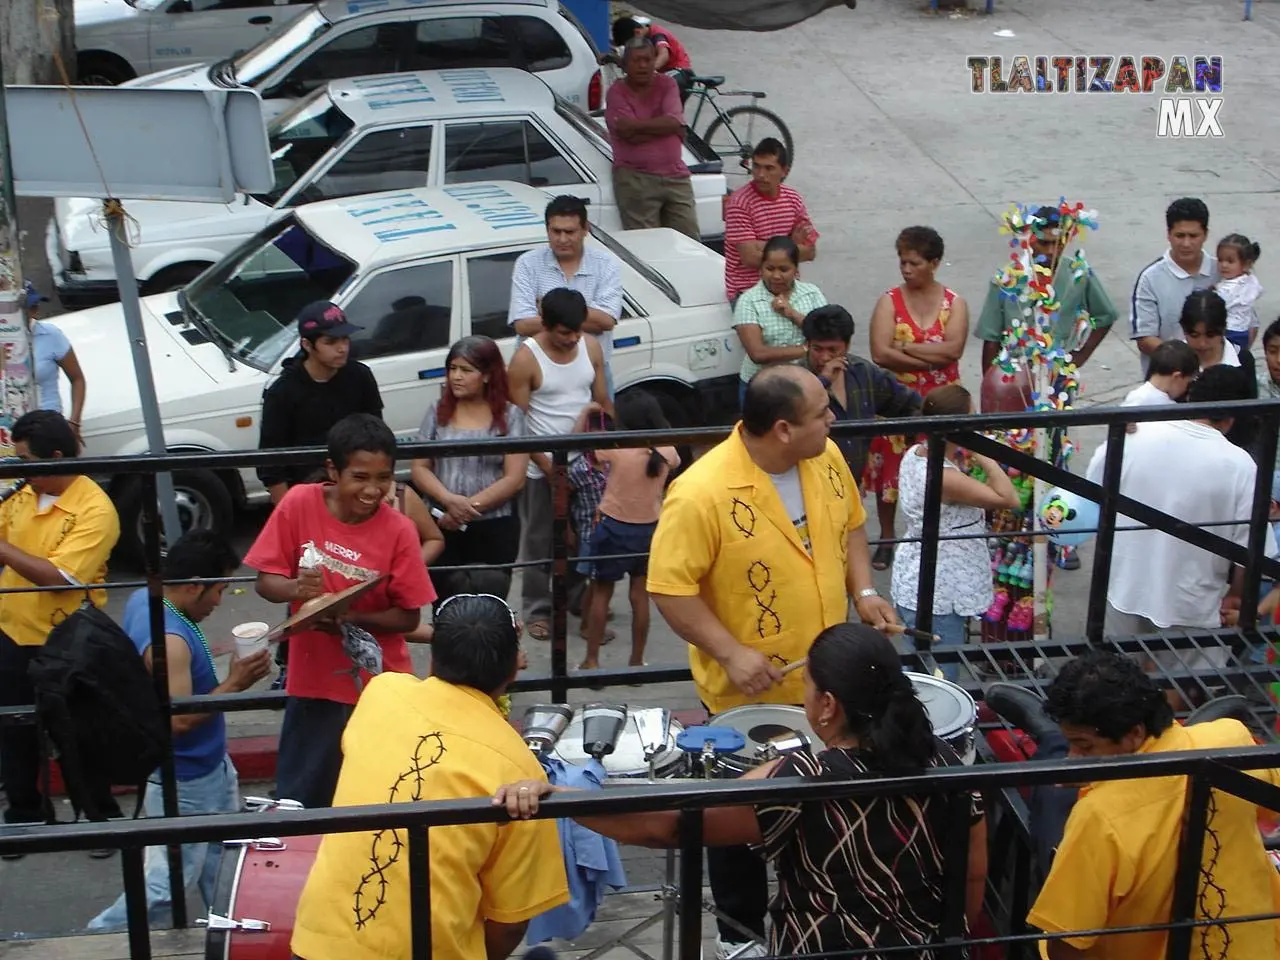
[
  {"x": 34, "y": 35},
  {"x": 31, "y": 32}
]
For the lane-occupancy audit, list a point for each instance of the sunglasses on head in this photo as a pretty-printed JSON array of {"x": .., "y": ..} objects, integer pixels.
[{"x": 487, "y": 596}]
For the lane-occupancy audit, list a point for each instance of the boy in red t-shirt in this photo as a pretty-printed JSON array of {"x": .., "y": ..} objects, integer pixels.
[{"x": 346, "y": 534}]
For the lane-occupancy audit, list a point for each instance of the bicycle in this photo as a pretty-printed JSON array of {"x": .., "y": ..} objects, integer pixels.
[{"x": 725, "y": 135}]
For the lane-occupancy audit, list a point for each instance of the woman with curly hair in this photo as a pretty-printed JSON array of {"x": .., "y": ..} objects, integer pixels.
[
  {"x": 918, "y": 330},
  {"x": 1118, "y": 860},
  {"x": 473, "y": 497}
]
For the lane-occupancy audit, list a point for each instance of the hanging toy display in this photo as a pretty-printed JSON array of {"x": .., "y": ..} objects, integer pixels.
[{"x": 1034, "y": 371}]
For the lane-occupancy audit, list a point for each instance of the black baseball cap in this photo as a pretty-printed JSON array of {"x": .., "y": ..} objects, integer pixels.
[{"x": 324, "y": 319}]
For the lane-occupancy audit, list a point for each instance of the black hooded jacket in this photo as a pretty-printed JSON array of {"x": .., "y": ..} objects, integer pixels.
[{"x": 298, "y": 411}]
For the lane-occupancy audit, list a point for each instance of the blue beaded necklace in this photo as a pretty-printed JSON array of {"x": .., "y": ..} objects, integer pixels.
[{"x": 196, "y": 630}]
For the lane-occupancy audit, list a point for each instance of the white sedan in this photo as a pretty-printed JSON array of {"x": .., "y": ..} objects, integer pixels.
[
  {"x": 117, "y": 40},
  {"x": 336, "y": 39},
  {"x": 417, "y": 269},
  {"x": 350, "y": 137}
]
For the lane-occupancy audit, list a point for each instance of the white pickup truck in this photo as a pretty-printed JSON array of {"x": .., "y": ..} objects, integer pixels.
[{"x": 417, "y": 269}]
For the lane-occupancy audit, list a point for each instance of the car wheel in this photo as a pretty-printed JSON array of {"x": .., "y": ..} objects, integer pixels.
[
  {"x": 173, "y": 278},
  {"x": 204, "y": 503},
  {"x": 102, "y": 70}
]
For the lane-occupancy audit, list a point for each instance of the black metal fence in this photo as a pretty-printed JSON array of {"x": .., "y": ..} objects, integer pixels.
[{"x": 1020, "y": 659}]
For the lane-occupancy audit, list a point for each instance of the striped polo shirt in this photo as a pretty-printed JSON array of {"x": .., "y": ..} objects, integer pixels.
[
  {"x": 1161, "y": 288},
  {"x": 750, "y": 215}
]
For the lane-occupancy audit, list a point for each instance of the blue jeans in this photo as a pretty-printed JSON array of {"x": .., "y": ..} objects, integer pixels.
[
  {"x": 948, "y": 626},
  {"x": 1238, "y": 337},
  {"x": 216, "y": 792}
]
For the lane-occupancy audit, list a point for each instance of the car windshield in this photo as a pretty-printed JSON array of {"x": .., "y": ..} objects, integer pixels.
[
  {"x": 252, "y": 65},
  {"x": 589, "y": 127},
  {"x": 300, "y": 136},
  {"x": 251, "y": 297}
]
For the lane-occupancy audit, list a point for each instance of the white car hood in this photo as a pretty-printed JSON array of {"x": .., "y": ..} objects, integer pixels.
[
  {"x": 96, "y": 13},
  {"x": 154, "y": 221},
  {"x": 185, "y": 374},
  {"x": 696, "y": 271}
]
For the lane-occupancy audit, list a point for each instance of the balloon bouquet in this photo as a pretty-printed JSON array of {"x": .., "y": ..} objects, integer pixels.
[{"x": 1034, "y": 371}]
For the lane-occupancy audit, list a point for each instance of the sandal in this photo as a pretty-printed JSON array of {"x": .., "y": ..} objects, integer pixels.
[
  {"x": 539, "y": 630},
  {"x": 609, "y": 636},
  {"x": 882, "y": 559}
]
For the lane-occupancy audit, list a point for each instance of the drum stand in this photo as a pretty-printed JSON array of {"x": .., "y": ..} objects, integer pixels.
[{"x": 703, "y": 758}]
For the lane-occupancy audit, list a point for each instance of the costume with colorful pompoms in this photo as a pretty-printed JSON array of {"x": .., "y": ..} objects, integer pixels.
[{"x": 1038, "y": 343}]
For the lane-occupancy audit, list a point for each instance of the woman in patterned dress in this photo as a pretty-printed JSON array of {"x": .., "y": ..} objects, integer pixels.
[
  {"x": 860, "y": 873},
  {"x": 922, "y": 354}
]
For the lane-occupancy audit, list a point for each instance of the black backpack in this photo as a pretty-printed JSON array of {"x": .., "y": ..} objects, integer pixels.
[{"x": 97, "y": 709}]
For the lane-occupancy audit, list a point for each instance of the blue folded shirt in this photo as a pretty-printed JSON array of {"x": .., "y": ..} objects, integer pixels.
[{"x": 591, "y": 861}]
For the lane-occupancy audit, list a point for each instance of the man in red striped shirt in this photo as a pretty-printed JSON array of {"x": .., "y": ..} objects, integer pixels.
[{"x": 764, "y": 208}]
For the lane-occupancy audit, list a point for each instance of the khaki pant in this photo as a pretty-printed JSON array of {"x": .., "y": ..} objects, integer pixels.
[{"x": 645, "y": 200}]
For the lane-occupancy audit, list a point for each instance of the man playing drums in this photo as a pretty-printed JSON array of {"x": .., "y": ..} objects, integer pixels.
[{"x": 760, "y": 545}]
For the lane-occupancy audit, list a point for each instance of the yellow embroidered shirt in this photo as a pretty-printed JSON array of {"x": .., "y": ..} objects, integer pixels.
[
  {"x": 1119, "y": 854},
  {"x": 76, "y": 533},
  {"x": 410, "y": 740},
  {"x": 725, "y": 535}
]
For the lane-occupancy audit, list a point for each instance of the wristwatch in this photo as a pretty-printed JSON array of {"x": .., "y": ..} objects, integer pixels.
[{"x": 867, "y": 592}]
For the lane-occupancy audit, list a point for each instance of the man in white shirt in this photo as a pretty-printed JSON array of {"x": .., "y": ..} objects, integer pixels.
[
  {"x": 1163, "y": 285},
  {"x": 553, "y": 376},
  {"x": 566, "y": 261},
  {"x": 1189, "y": 470}
]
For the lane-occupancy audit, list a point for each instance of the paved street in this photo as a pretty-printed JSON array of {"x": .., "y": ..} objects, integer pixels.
[{"x": 888, "y": 135}]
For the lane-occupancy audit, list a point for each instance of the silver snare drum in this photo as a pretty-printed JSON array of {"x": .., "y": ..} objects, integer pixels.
[
  {"x": 627, "y": 759},
  {"x": 761, "y": 723},
  {"x": 952, "y": 713}
]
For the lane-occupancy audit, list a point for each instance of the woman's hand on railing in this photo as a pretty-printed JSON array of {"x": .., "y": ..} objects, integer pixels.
[{"x": 521, "y": 798}]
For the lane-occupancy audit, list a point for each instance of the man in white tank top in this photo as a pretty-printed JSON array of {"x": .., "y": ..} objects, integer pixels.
[{"x": 554, "y": 377}]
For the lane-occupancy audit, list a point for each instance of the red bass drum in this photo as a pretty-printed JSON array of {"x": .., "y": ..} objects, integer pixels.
[{"x": 256, "y": 897}]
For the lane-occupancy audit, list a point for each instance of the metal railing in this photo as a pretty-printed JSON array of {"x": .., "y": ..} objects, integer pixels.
[
  {"x": 1221, "y": 770},
  {"x": 968, "y": 431}
]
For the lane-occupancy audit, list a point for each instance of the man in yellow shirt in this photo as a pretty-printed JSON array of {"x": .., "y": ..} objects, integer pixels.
[
  {"x": 1119, "y": 854},
  {"x": 54, "y": 531},
  {"x": 443, "y": 738},
  {"x": 760, "y": 545}
]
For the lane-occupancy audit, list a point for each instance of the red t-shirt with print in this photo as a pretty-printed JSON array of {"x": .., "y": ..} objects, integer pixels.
[{"x": 387, "y": 543}]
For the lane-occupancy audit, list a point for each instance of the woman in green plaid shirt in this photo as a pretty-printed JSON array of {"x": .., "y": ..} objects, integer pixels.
[{"x": 769, "y": 315}]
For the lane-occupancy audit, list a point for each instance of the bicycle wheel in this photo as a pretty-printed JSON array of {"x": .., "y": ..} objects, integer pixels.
[{"x": 734, "y": 135}]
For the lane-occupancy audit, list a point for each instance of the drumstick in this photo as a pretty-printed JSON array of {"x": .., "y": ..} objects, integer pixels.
[
  {"x": 794, "y": 665},
  {"x": 906, "y": 631}
]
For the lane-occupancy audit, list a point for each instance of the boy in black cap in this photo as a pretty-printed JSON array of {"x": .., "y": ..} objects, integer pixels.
[{"x": 315, "y": 390}]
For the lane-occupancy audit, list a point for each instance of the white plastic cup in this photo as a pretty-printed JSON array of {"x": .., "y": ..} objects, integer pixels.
[{"x": 250, "y": 638}]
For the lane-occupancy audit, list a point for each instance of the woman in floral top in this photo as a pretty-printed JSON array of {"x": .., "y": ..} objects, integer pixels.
[{"x": 922, "y": 354}]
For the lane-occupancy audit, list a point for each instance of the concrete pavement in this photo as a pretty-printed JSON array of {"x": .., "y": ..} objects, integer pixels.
[{"x": 888, "y": 135}]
